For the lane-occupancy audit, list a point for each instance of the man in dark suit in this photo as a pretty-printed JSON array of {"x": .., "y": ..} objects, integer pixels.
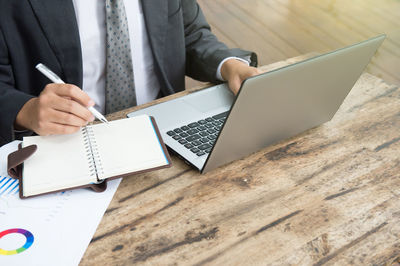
[{"x": 48, "y": 31}]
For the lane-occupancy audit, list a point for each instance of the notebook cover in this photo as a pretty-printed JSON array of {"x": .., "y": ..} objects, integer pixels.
[{"x": 16, "y": 159}]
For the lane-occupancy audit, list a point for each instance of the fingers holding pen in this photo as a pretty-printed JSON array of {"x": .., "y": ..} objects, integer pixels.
[
  {"x": 65, "y": 118},
  {"x": 72, "y": 108},
  {"x": 59, "y": 109},
  {"x": 69, "y": 99},
  {"x": 73, "y": 92}
]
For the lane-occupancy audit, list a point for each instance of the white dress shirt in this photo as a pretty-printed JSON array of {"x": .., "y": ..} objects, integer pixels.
[{"x": 90, "y": 15}]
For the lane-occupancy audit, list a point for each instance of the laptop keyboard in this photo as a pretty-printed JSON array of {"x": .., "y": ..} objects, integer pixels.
[{"x": 199, "y": 137}]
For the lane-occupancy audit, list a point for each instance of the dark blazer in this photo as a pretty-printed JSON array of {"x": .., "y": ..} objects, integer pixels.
[{"x": 33, "y": 31}]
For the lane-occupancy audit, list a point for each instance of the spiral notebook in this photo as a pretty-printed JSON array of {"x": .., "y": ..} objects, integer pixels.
[{"x": 89, "y": 157}]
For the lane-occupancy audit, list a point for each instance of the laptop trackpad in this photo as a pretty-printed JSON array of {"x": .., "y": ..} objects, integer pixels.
[
  {"x": 189, "y": 108},
  {"x": 210, "y": 99},
  {"x": 170, "y": 113}
]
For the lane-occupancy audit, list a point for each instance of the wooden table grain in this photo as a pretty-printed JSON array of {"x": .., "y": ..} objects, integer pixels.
[{"x": 327, "y": 196}]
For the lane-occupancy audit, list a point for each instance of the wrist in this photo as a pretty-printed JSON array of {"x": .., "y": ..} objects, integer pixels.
[{"x": 22, "y": 120}]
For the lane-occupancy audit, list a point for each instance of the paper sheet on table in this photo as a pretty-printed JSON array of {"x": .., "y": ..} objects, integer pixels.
[{"x": 55, "y": 229}]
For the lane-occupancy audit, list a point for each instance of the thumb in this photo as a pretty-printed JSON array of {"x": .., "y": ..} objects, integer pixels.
[{"x": 234, "y": 85}]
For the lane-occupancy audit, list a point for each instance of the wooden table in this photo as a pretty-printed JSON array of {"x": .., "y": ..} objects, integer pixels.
[{"x": 327, "y": 196}]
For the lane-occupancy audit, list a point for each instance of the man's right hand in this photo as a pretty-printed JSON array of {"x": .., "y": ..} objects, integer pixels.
[{"x": 59, "y": 109}]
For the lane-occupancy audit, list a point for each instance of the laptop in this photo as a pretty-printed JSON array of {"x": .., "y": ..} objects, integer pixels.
[{"x": 212, "y": 127}]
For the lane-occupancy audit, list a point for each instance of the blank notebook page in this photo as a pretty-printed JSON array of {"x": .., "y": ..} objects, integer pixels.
[
  {"x": 60, "y": 162},
  {"x": 125, "y": 146}
]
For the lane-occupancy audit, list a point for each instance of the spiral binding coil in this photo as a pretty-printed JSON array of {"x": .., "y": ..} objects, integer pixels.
[{"x": 92, "y": 152}]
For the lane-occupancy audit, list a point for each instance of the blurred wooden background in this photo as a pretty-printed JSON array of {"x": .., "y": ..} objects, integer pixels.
[{"x": 280, "y": 29}]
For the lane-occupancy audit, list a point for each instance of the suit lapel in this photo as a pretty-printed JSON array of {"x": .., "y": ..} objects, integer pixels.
[
  {"x": 156, "y": 18},
  {"x": 58, "y": 21}
]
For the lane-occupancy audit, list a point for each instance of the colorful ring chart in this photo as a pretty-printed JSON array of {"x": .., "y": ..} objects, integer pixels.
[{"x": 29, "y": 240}]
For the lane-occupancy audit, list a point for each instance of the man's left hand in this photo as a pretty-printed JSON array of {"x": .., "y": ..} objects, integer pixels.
[{"x": 235, "y": 72}]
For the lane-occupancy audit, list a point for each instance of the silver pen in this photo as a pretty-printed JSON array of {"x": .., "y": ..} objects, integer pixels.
[{"x": 56, "y": 79}]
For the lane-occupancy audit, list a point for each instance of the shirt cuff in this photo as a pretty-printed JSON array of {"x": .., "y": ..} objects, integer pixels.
[
  {"x": 19, "y": 134},
  {"x": 219, "y": 76}
]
